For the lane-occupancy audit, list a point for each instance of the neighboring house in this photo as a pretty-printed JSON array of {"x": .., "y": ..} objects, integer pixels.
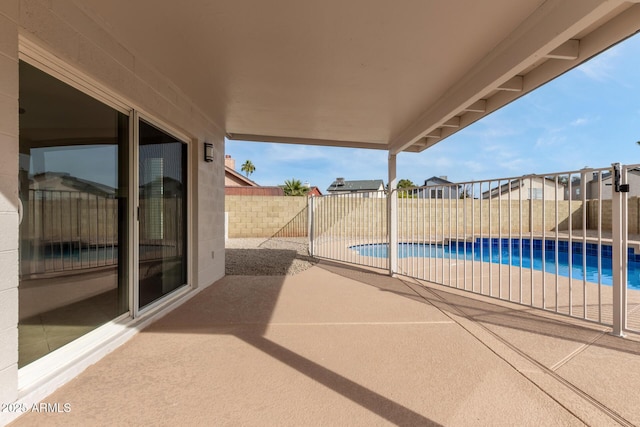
[
  {"x": 606, "y": 184},
  {"x": 527, "y": 188},
  {"x": 63, "y": 181},
  {"x": 232, "y": 178},
  {"x": 236, "y": 184},
  {"x": 439, "y": 188},
  {"x": 365, "y": 188},
  {"x": 314, "y": 191}
]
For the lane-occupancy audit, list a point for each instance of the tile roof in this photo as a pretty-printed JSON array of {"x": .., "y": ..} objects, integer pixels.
[{"x": 358, "y": 185}]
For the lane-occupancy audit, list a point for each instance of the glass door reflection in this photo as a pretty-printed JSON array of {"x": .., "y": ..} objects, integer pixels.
[
  {"x": 162, "y": 162},
  {"x": 73, "y": 186}
]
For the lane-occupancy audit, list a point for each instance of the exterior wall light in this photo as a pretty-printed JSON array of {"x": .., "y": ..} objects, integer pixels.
[{"x": 208, "y": 152}]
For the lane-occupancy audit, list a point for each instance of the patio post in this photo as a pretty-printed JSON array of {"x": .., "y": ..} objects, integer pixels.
[
  {"x": 310, "y": 223},
  {"x": 619, "y": 236},
  {"x": 392, "y": 222}
]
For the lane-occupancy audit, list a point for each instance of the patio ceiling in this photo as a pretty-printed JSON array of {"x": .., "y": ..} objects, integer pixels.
[{"x": 396, "y": 75}]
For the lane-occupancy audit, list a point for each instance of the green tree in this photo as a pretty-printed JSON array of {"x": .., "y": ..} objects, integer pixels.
[
  {"x": 406, "y": 194},
  {"x": 248, "y": 168},
  {"x": 405, "y": 183},
  {"x": 294, "y": 187}
]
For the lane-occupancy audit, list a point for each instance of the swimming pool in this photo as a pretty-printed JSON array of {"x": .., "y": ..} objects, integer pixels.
[{"x": 497, "y": 251}]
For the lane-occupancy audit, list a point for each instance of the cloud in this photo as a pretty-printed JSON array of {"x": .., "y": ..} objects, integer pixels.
[
  {"x": 474, "y": 166},
  {"x": 550, "y": 141},
  {"x": 602, "y": 67},
  {"x": 514, "y": 165},
  {"x": 580, "y": 121},
  {"x": 491, "y": 148}
]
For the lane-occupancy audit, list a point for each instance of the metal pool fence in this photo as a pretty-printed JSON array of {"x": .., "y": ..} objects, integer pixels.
[{"x": 557, "y": 242}]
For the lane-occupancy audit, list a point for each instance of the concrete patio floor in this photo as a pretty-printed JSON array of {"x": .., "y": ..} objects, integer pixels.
[{"x": 345, "y": 345}]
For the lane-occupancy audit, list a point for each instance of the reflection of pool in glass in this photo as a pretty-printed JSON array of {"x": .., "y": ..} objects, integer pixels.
[
  {"x": 497, "y": 251},
  {"x": 88, "y": 254}
]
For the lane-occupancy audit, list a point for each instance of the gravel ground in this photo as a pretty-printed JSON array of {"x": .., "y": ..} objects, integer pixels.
[{"x": 267, "y": 257}]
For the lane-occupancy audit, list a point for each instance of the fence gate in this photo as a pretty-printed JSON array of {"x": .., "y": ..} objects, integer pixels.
[{"x": 350, "y": 227}]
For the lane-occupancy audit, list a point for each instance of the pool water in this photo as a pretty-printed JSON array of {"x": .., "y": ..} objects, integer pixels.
[{"x": 497, "y": 251}]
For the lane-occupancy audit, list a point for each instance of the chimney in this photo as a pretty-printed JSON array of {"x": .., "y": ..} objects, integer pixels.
[
  {"x": 229, "y": 162},
  {"x": 443, "y": 177}
]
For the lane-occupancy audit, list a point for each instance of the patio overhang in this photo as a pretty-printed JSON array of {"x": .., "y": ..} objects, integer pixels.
[{"x": 367, "y": 74}]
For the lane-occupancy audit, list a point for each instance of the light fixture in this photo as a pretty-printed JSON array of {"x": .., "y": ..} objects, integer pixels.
[{"x": 208, "y": 152}]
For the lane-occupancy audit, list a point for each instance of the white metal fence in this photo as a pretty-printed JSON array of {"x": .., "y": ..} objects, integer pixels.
[
  {"x": 339, "y": 224},
  {"x": 558, "y": 242}
]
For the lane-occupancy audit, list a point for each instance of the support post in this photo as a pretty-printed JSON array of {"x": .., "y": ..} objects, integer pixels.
[
  {"x": 392, "y": 221},
  {"x": 310, "y": 223},
  {"x": 619, "y": 250}
]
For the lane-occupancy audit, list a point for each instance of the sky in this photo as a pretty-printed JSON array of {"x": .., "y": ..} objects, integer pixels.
[{"x": 590, "y": 116}]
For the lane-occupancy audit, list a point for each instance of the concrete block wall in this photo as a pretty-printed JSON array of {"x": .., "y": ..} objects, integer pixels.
[
  {"x": 9, "y": 200},
  {"x": 633, "y": 217},
  {"x": 430, "y": 219},
  {"x": 266, "y": 216},
  {"x": 594, "y": 214}
]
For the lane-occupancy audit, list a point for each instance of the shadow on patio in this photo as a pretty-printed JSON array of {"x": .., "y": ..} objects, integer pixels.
[{"x": 342, "y": 345}]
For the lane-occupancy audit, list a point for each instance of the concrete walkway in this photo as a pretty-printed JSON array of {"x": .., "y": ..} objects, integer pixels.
[{"x": 341, "y": 345}]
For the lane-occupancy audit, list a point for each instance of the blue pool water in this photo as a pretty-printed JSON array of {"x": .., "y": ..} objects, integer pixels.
[{"x": 497, "y": 251}]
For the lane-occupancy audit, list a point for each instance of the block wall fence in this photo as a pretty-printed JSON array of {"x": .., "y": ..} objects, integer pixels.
[
  {"x": 269, "y": 216},
  {"x": 266, "y": 216}
]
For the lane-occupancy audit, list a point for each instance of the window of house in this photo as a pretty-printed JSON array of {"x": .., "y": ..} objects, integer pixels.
[{"x": 535, "y": 193}]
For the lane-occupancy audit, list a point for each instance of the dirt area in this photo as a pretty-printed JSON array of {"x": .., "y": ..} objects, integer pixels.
[{"x": 267, "y": 257}]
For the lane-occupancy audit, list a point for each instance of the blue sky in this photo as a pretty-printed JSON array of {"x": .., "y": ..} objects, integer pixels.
[{"x": 590, "y": 116}]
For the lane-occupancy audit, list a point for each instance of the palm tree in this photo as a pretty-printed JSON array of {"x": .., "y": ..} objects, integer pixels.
[
  {"x": 294, "y": 187},
  {"x": 248, "y": 168}
]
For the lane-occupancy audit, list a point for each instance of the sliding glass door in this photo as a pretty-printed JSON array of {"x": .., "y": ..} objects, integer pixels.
[
  {"x": 162, "y": 215},
  {"x": 77, "y": 254},
  {"x": 73, "y": 186}
]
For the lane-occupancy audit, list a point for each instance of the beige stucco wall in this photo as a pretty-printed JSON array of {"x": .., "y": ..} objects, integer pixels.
[
  {"x": 266, "y": 216},
  {"x": 67, "y": 33},
  {"x": 8, "y": 201}
]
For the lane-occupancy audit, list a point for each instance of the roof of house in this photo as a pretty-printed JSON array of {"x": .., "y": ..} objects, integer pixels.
[
  {"x": 437, "y": 180},
  {"x": 514, "y": 185},
  {"x": 72, "y": 182},
  {"x": 314, "y": 191},
  {"x": 240, "y": 177},
  {"x": 357, "y": 185}
]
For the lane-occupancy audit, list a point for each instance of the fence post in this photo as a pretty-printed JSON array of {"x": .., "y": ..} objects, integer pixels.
[
  {"x": 310, "y": 223},
  {"x": 392, "y": 209},
  {"x": 619, "y": 249}
]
